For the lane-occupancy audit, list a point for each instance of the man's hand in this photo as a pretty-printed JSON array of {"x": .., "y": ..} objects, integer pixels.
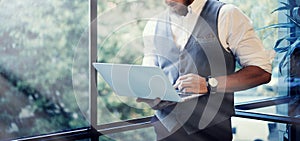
[
  {"x": 155, "y": 104},
  {"x": 191, "y": 83}
]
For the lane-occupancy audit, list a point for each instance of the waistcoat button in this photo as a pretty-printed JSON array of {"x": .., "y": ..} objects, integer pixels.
[
  {"x": 181, "y": 56},
  {"x": 182, "y": 70}
]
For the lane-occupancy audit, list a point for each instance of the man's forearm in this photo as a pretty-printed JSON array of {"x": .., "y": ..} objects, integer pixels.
[{"x": 248, "y": 77}]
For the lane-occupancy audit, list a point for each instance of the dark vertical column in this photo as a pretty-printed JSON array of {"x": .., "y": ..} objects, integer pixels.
[
  {"x": 295, "y": 72},
  {"x": 294, "y": 131},
  {"x": 294, "y": 87},
  {"x": 294, "y": 105},
  {"x": 92, "y": 71}
]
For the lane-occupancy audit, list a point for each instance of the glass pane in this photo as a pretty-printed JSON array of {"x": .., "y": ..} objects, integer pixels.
[
  {"x": 120, "y": 28},
  {"x": 40, "y": 67},
  {"x": 260, "y": 14},
  {"x": 264, "y": 131},
  {"x": 145, "y": 134},
  {"x": 288, "y": 109}
]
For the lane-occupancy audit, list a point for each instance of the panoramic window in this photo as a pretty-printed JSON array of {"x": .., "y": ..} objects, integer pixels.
[
  {"x": 120, "y": 28},
  {"x": 40, "y": 68},
  {"x": 44, "y": 65}
]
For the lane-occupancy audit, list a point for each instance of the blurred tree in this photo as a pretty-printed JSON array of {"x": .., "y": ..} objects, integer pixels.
[{"x": 38, "y": 41}]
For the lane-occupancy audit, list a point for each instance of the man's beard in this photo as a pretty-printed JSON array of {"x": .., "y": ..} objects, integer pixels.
[{"x": 178, "y": 8}]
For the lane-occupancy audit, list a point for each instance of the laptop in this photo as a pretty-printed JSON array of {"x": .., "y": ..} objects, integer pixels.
[{"x": 139, "y": 81}]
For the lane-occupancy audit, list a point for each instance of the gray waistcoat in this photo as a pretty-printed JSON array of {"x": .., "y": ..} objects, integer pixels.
[{"x": 203, "y": 55}]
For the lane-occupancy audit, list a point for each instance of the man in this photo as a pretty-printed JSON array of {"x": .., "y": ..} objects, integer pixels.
[{"x": 197, "y": 43}]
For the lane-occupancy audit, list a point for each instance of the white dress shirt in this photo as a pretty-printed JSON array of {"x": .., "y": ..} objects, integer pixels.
[{"x": 235, "y": 32}]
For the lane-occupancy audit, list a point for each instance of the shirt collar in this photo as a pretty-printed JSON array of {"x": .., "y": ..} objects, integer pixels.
[{"x": 197, "y": 6}]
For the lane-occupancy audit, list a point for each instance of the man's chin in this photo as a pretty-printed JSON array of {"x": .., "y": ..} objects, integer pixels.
[{"x": 182, "y": 11}]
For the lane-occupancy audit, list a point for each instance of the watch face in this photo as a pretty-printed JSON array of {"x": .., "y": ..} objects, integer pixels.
[{"x": 213, "y": 82}]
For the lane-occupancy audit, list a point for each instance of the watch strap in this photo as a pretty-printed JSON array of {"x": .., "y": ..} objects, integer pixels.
[{"x": 207, "y": 85}]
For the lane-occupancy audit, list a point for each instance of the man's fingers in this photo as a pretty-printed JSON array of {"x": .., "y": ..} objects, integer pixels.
[
  {"x": 187, "y": 76},
  {"x": 144, "y": 100},
  {"x": 156, "y": 101},
  {"x": 181, "y": 82},
  {"x": 140, "y": 100},
  {"x": 150, "y": 102},
  {"x": 184, "y": 81},
  {"x": 184, "y": 84},
  {"x": 176, "y": 84},
  {"x": 189, "y": 90},
  {"x": 183, "y": 77}
]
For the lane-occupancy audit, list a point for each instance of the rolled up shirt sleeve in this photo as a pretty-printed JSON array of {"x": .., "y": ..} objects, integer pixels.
[{"x": 237, "y": 33}]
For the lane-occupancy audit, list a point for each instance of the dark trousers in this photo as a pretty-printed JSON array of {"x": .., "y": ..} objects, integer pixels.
[{"x": 218, "y": 132}]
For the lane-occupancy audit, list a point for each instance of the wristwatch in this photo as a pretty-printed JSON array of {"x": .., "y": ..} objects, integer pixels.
[{"x": 212, "y": 84}]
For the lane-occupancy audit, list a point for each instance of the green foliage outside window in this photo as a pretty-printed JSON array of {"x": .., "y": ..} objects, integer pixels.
[{"x": 37, "y": 43}]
